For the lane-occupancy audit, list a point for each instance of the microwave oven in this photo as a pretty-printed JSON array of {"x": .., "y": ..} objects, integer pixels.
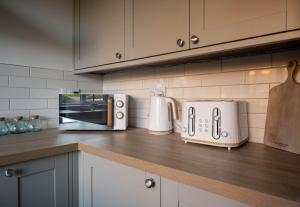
[{"x": 82, "y": 111}]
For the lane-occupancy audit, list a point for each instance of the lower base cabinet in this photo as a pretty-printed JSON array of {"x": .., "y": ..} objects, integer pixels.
[
  {"x": 105, "y": 183},
  {"x": 180, "y": 195},
  {"x": 43, "y": 182}
]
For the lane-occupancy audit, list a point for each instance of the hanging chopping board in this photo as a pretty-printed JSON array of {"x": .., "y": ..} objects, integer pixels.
[{"x": 283, "y": 116}]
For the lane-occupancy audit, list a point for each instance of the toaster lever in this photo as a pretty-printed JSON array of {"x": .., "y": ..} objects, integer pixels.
[
  {"x": 191, "y": 121},
  {"x": 216, "y": 123}
]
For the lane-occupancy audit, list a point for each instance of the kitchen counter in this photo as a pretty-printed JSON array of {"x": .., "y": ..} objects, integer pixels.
[{"x": 253, "y": 174}]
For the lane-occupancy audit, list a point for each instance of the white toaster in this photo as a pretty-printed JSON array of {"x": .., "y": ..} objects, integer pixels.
[{"x": 218, "y": 123}]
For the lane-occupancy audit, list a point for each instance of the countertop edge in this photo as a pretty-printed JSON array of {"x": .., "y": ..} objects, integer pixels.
[{"x": 234, "y": 192}]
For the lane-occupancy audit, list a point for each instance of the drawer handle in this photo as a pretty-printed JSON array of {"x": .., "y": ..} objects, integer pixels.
[
  {"x": 149, "y": 183},
  {"x": 9, "y": 173},
  {"x": 180, "y": 42},
  {"x": 195, "y": 39}
]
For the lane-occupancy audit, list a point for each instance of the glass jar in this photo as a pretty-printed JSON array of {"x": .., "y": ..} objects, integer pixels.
[
  {"x": 35, "y": 123},
  {"x": 12, "y": 126},
  {"x": 3, "y": 127},
  {"x": 20, "y": 124}
]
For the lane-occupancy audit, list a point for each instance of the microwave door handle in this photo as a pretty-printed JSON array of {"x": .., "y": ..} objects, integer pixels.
[
  {"x": 110, "y": 112},
  {"x": 173, "y": 103}
]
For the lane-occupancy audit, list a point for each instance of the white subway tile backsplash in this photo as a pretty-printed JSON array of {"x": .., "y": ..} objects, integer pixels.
[
  {"x": 138, "y": 103},
  {"x": 127, "y": 85},
  {"x": 28, "y": 103},
  {"x": 266, "y": 76},
  {"x": 45, "y": 113},
  {"x": 257, "y": 106},
  {"x": 203, "y": 67},
  {"x": 14, "y": 92},
  {"x": 219, "y": 79},
  {"x": 61, "y": 84},
  {"x": 14, "y": 70},
  {"x": 246, "y": 62},
  {"x": 89, "y": 85},
  {"x": 176, "y": 93},
  {"x": 256, "y": 135},
  {"x": 152, "y": 83},
  {"x": 3, "y": 80},
  {"x": 4, "y": 104},
  {"x": 185, "y": 81},
  {"x": 44, "y": 93},
  {"x": 83, "y": 77},
  {"x": 53, "y": 103},
  {"x": 13, "y": 113},
  {"x": 26, "y": 82},
  {"x": 46, "y": 73},
  {"x": 245, "y": 91},
  {"x": 202, "y": 93},
  {"x": 257, "y": 120}
]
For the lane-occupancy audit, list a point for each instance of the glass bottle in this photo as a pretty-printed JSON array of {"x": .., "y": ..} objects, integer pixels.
[
  {"x": 36, "y": 123},
  {"x": 3, "y": 127},
  {"x": 20, "y": 124},
  {"x": 12, "y": 126}
]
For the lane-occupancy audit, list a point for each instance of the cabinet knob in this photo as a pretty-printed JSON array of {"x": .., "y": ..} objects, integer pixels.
[
  {"x": 9, "y": 172},
  {"x": 194, "y": 39},
  {"x": 180, "y": 42},
  {"x": 150, "y": 183},
  {"x": 118, "y": 55}
]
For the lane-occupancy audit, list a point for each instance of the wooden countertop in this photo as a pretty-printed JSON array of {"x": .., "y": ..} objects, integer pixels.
[{"x": 253, "y": 174}]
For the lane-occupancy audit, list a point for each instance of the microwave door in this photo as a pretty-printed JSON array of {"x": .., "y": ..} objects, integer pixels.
[{"x": 85, "y": 111}]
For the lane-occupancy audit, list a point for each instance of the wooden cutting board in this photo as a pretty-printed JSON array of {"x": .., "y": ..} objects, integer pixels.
[{"x": 283, "y": 116}]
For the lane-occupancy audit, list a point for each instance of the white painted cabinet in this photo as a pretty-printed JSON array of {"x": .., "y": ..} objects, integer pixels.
[
  {"x": 176, "y": 194},
  {"x": 215, "y": 21},
  {"x": 109, "y": 184},
  {"x": 293, "y": 14},
  {"x": 99, "y": 32},
  {"x": 156, "y": 27},
  {"x": 43, "y": 182}
]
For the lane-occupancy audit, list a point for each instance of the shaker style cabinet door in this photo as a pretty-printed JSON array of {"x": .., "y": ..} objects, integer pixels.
[
  {"x": 109, "y": 184},
  {"x": 99, "y": 32},
  {"x": 156, "y": 27},
  {"x": 174, "y": 194},
  {"x": 41, "y": 182},
  {"x": 293, "y": 14},
  {"x": 215, "y": 21}
]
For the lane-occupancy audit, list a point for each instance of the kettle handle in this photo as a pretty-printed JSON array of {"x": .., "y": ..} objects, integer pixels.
[{"x": 172, "y": 101}]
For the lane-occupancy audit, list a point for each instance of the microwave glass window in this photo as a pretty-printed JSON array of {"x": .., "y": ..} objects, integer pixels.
[
  {"x": 70, "y": 99},
  {"x": 87, "y": 108}
]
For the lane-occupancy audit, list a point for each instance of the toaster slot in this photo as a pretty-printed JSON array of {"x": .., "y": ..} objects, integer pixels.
[
  {"x": 191, "y": 121},
  {"x": 216, "y": 123}
]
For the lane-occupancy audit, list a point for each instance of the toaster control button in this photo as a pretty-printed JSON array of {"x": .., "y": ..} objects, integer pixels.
[
  {"x": 119, "y": 104},
  {"x": 224, "y": 134},
  {"x": 119, "y": 115}
]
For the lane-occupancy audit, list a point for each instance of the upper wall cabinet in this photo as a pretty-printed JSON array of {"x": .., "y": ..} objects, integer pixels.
[
  {"x": 293, "y": 14},
  {"x": 215, "y": 21},
  {"x": 156, "y": 27},
  {"x": 99, "y": 32}
]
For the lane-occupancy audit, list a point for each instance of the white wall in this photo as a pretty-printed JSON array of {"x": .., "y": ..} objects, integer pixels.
[{"x": 37, "y": 33}]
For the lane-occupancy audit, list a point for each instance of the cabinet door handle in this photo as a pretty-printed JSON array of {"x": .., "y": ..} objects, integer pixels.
[
  {"x": 9, "y": 172},
  {"x": 150, "y": 183},
  {"x": 180, "y": 42},
  {"x": 194, "y": 39},
  {"x": 118, "y": 55}
]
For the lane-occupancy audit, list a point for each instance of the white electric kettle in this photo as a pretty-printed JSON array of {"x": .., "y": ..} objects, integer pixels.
[{"x": 162, "y": 111}]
